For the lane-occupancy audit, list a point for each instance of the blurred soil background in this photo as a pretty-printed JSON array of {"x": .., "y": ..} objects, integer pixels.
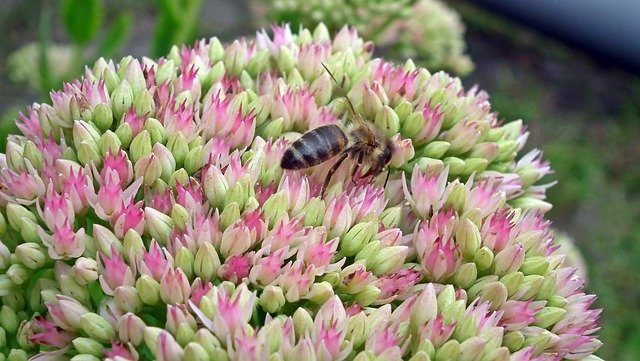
[{"x": 584, "y": 115}]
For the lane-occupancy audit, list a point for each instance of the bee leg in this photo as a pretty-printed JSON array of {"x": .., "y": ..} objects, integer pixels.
[
  {"x": 333, "y": 169},
  {"x": 387, "y": 178},
  {"x": 357, "y": 168}
]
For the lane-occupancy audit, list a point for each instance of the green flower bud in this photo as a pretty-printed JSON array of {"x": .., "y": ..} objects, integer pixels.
[
  {"x": 102, "y": 116},
  {"x": 357, "y": 329},
  {"x": 180, "y": 216},
  {"x": 313, "y": 212},
  {"x": 32, "y": 255},
  {"x": 29, "y": 231},
  {"x": 530, "y": 286},
  {"x": 537, "y": 265},
  {"x": 215, "y": 186},
  {"x": 368, "y": 295},
  {"x": 151, "y": 337},
  {"x": 513, "y": 281},
  {"x": 89, "y": 346},
  {"x": 420, "y": 356},
  {"x": 156, "y": 131},
  {"x": 207, "y": 340},
  {"x": 506, "y": 150},
  {"x": 180, "y": 176},
  {"x": 9, "y": 319},
  {"x": 17, "y": 355},
  {"x": 15, "y": 213},
  {"x": 258, "y": 63},
  {"x": 127, "y": 298},
  {"x": 541, "y": 341},
  {"x": 285, "y": 60},
  {"x": 194, "y": 352},
  {"x": 466, "y": 275},
  {"x": 321, "y": 33},
  {"x": 234, "y": 58},
  {"x": 387, "y": 120},
  {"x": 357, "y": 237},
  {"x": 184, "y": 334},
  {"x": 271, "y": 129},
  {"x": 179, "y": 147},
  {"x": 477, "y": 287},
  {"x": 89, "y": 153},
  {"x": 140, "y": 146},
  {"x": 468, "y": 238},
  {"x": 148, "y": 168},
  {"x": 272, "y": 298},
  {"x": 513, "y": 340},
  {"x": 3, "y": 227},
  {"x": 320, "y": 293},
  {"x": 476, "y": 165},
  {"x": 105, "y": 239},
  {"x": 556, "y": 301},
  {"x": 371, "y": 103},
  {"x": 206, "y": 262},
  {"x": 456, "y": 165},
  {"x": 3, "y": 338},
  {"x": 391, "y": 217},
  {"x": 403, "y": 110},
  {"x": 369, "y": 252},
  {"x": 302, "y": 322},
  {"x": 549, "y": 316},
  {"x": 449, "y": 351},
  {"x": 18, "y": 273},
  {"x": 97, "y": 327},
  {"x": 483, "y": 258},
  {"x": 389, "y": 259},
  {"x": 125, "y": 134},
  {"x": 84, "y": 357},
  {"x": 435, "y": 149},
  {"x": 275, "y": 207},
  {"x": 121, "y": 99},
  {"x": 133, "y": 246},
  {"x": 143, "y": 102},
  {"x": 165, "y": 72},
  {"x": 494, "y": 293},
  {"x": 109, "y": 142},
  {"x": 159, "y": 225},
  {"x": 229, "y": 215},
  {"x": 15, "y": 300},
  {"x": 194, "y": 160},
  {"x": 185, "y": 260},
  {"x": 32, "y": 154},
  {"x": 148, "y": 290}
]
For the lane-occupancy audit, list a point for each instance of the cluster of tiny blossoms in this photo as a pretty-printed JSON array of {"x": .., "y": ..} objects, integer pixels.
[
  {"x": 426, "y": 30},
  {"x": 147, "y": 217}
]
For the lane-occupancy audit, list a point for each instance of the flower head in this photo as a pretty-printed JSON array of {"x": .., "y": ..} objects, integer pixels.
[{"x": 169, "y": 196}]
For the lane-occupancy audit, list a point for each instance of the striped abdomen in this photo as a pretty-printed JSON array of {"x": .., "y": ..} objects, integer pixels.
[{"x": 314, "y": 147}]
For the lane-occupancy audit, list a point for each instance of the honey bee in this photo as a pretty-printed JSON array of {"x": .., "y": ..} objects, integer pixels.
[{"x": 362, "y": 142}]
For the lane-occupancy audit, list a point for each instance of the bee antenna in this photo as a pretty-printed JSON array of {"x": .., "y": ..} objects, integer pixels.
[{"x": 343, "y": 93}]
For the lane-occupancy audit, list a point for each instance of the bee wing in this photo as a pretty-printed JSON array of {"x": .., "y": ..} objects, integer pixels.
[{"x": 352, "y": 115}]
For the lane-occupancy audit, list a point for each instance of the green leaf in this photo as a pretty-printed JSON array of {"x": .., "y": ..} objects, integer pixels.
[
  {"x": 82, "y": 19},
  {"x": 163, "y": 35},
  {"x": 116, "y": 36}
]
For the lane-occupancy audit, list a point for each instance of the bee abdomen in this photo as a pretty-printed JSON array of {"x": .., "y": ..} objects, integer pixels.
[{"x": 314, "y": 147}]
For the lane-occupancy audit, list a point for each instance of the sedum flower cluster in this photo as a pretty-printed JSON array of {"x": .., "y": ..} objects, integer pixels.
[
  {"x": 145, "y": 216},
  {"x": 426, "y": 30}
]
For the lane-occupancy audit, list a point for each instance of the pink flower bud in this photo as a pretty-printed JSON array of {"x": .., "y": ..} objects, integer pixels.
[
  {"x": 174, "y": 287},
  {"x": 114, "y": 272},
  {"x": 64, "y": 243}
]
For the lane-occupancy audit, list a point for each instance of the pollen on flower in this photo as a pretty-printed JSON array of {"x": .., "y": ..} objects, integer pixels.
[{"x": 156, "y": 185}]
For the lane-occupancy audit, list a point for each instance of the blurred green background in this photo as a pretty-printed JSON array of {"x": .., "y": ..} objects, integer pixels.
[{"x": 584, "y": 115}]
